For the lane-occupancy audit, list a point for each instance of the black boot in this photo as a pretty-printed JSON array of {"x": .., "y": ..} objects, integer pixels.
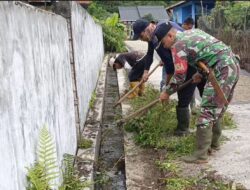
[{"x": 183, "y": 119}]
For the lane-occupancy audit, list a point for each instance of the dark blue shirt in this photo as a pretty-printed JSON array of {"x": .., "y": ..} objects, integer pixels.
[{"x": 164, "y": 53}]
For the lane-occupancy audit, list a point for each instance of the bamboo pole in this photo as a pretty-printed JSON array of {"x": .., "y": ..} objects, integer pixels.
[
  {"x": 151, "y": 104},
  {"x": 132, "y": 90}
]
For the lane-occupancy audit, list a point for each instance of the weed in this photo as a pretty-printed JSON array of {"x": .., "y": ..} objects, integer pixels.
[
  {"x": 85, "y": 143},
  {"x": 155, "y": 129},
  {"x": 227, "y": 121},
  {"x": 177, "y": 183},
  {"x": 92, "y": 100}
]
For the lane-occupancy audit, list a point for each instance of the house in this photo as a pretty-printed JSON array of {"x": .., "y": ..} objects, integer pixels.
[
  {"x": 128, "y": 15},
  {"x": 181, "y": 10}
]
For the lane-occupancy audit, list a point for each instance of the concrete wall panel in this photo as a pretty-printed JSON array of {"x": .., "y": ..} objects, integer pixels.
[
  {"x": 36, "y": 88},
  {"x": 88, "y": 55}
]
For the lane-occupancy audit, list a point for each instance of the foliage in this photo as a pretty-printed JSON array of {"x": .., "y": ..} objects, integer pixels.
[
  {"x": 85, "y": 143},
  {"x": 238, "y": 15},
  {"x": 155, "y": 129},
  {"x": 113, "y": 31},
  {"x": 71, "y": 180},
  {"x": 92, "y": 100},
  {"x": 149, "y": 17},
  {"x": 230, "y": 15},
  {"x": 47, "y": 155},
  {"x": 43, "y": 174},
  {"x": 112, "y": 6},
  {"x": 114, "y": 34},
  {"x": 227, "y": 121},
  {"x": 98, "y": 12},
  {"x": 36, "y": 179}
]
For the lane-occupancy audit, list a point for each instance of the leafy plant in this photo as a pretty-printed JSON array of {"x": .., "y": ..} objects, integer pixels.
[
  {"x": 92, "y": 100},
  {"x": 36, "y": 179},
  {"x": 47, "y": 155},
  {"x": 43, "y": 174},
  {"x": 85, "y": 143},
  {"x": 113, "y": 31},
  {"x": 155, "y": 129},
  {"x": 149, "y": 17},
  {"x": 71, "y": 179},
  {"x": 45, "y": 171},
  {"x": 227, "y": 121}
]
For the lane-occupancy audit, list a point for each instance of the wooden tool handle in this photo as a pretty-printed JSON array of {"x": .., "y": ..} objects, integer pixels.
[
  {"x": 203, "y": 66},
  {"x": 132, "y": 90}
]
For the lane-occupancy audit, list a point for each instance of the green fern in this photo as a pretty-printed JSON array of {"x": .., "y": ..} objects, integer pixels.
[
  {"x": 47, "y": 156},
  {"x": 71, "y": 180},
  {"x": 42, "y": 175},
  {"x": 36, "y": 179}
]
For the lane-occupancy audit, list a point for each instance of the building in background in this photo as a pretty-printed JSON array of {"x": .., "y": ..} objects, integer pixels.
[
  {"x": 190, "y": 8},
  {"x": 128, "y": 15}
]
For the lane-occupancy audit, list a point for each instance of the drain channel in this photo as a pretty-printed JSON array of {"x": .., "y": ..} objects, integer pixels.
[{"x": 110, "y": 174}]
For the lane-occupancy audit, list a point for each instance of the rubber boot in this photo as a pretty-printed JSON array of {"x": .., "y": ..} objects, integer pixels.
[
  {"x": 135, "y": 92},
  {"x": 203, "y": 140},
  {"x": 183, "y": 119},
  {"x": 216, "y": 135},
  {"x": 141, "y": 89}
]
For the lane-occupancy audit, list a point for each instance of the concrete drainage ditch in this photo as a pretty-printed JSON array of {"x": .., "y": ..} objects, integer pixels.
[
  {"x": 110, "y": 172},
  {"x": 105, "y": 162}
]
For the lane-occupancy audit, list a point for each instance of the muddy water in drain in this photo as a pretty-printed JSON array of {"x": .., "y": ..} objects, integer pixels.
[{"x": 110, "y": 174}]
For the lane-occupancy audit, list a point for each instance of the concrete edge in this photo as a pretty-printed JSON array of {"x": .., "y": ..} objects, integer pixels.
[
  {"x": 128, "y": 137},
  {"x": 92, "y": 131}
]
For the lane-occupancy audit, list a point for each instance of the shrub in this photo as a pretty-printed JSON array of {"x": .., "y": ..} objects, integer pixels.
[{"x": 113, "y": 31}]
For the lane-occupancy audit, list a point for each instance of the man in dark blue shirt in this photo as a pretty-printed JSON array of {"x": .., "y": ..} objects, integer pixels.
[{"x": 144, "y": 31}]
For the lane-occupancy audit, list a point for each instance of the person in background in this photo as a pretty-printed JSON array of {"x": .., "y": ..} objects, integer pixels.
[
  {"x": 188, "y": 24},
  {"x": 135, "y": 63}
]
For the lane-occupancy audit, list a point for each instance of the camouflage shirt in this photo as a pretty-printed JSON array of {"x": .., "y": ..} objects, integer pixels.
[{"x": 192, "y": 46}]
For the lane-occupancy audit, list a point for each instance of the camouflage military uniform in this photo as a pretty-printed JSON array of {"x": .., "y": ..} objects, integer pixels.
[{"x": 195, "y": 45}]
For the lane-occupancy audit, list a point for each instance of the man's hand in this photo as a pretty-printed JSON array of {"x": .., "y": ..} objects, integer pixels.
[
  {"x": 164, "y": 97},
  {"x": 145, "y": 76},
  {"x": 197, "y": 77}
]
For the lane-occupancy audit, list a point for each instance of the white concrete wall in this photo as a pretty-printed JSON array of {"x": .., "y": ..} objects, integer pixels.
[
  {"x": 88, "y": 55},
  {"x": 35, "y": 88}
]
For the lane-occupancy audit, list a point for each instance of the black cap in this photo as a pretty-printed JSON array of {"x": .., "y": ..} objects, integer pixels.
[
  {"x": 138, "y": 27},
  {"x": 161, "y": 30},
  {"x": 189, "y": 20}
]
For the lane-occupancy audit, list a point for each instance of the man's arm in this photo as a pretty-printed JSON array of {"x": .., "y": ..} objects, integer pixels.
[
  {"x": 148, "y": 61},
  {"x": 181, "y": 65}
]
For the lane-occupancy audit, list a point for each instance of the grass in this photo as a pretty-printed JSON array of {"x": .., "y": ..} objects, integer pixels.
[
  {"x": 92, "y": 100},
  {"x": 85, "y": 143},
  {"x": 155, "y": 129},
  {"x": 227, "y": 121}
]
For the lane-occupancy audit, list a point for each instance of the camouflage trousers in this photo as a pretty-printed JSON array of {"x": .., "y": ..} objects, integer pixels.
[{"x": 227, "y": 76}]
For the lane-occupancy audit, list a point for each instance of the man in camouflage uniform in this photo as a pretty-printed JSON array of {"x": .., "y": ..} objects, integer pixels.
[{"x": 188, "y": 48}]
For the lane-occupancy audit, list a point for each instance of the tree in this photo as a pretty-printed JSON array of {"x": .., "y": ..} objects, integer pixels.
[{"x": 149, "y": 17}]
